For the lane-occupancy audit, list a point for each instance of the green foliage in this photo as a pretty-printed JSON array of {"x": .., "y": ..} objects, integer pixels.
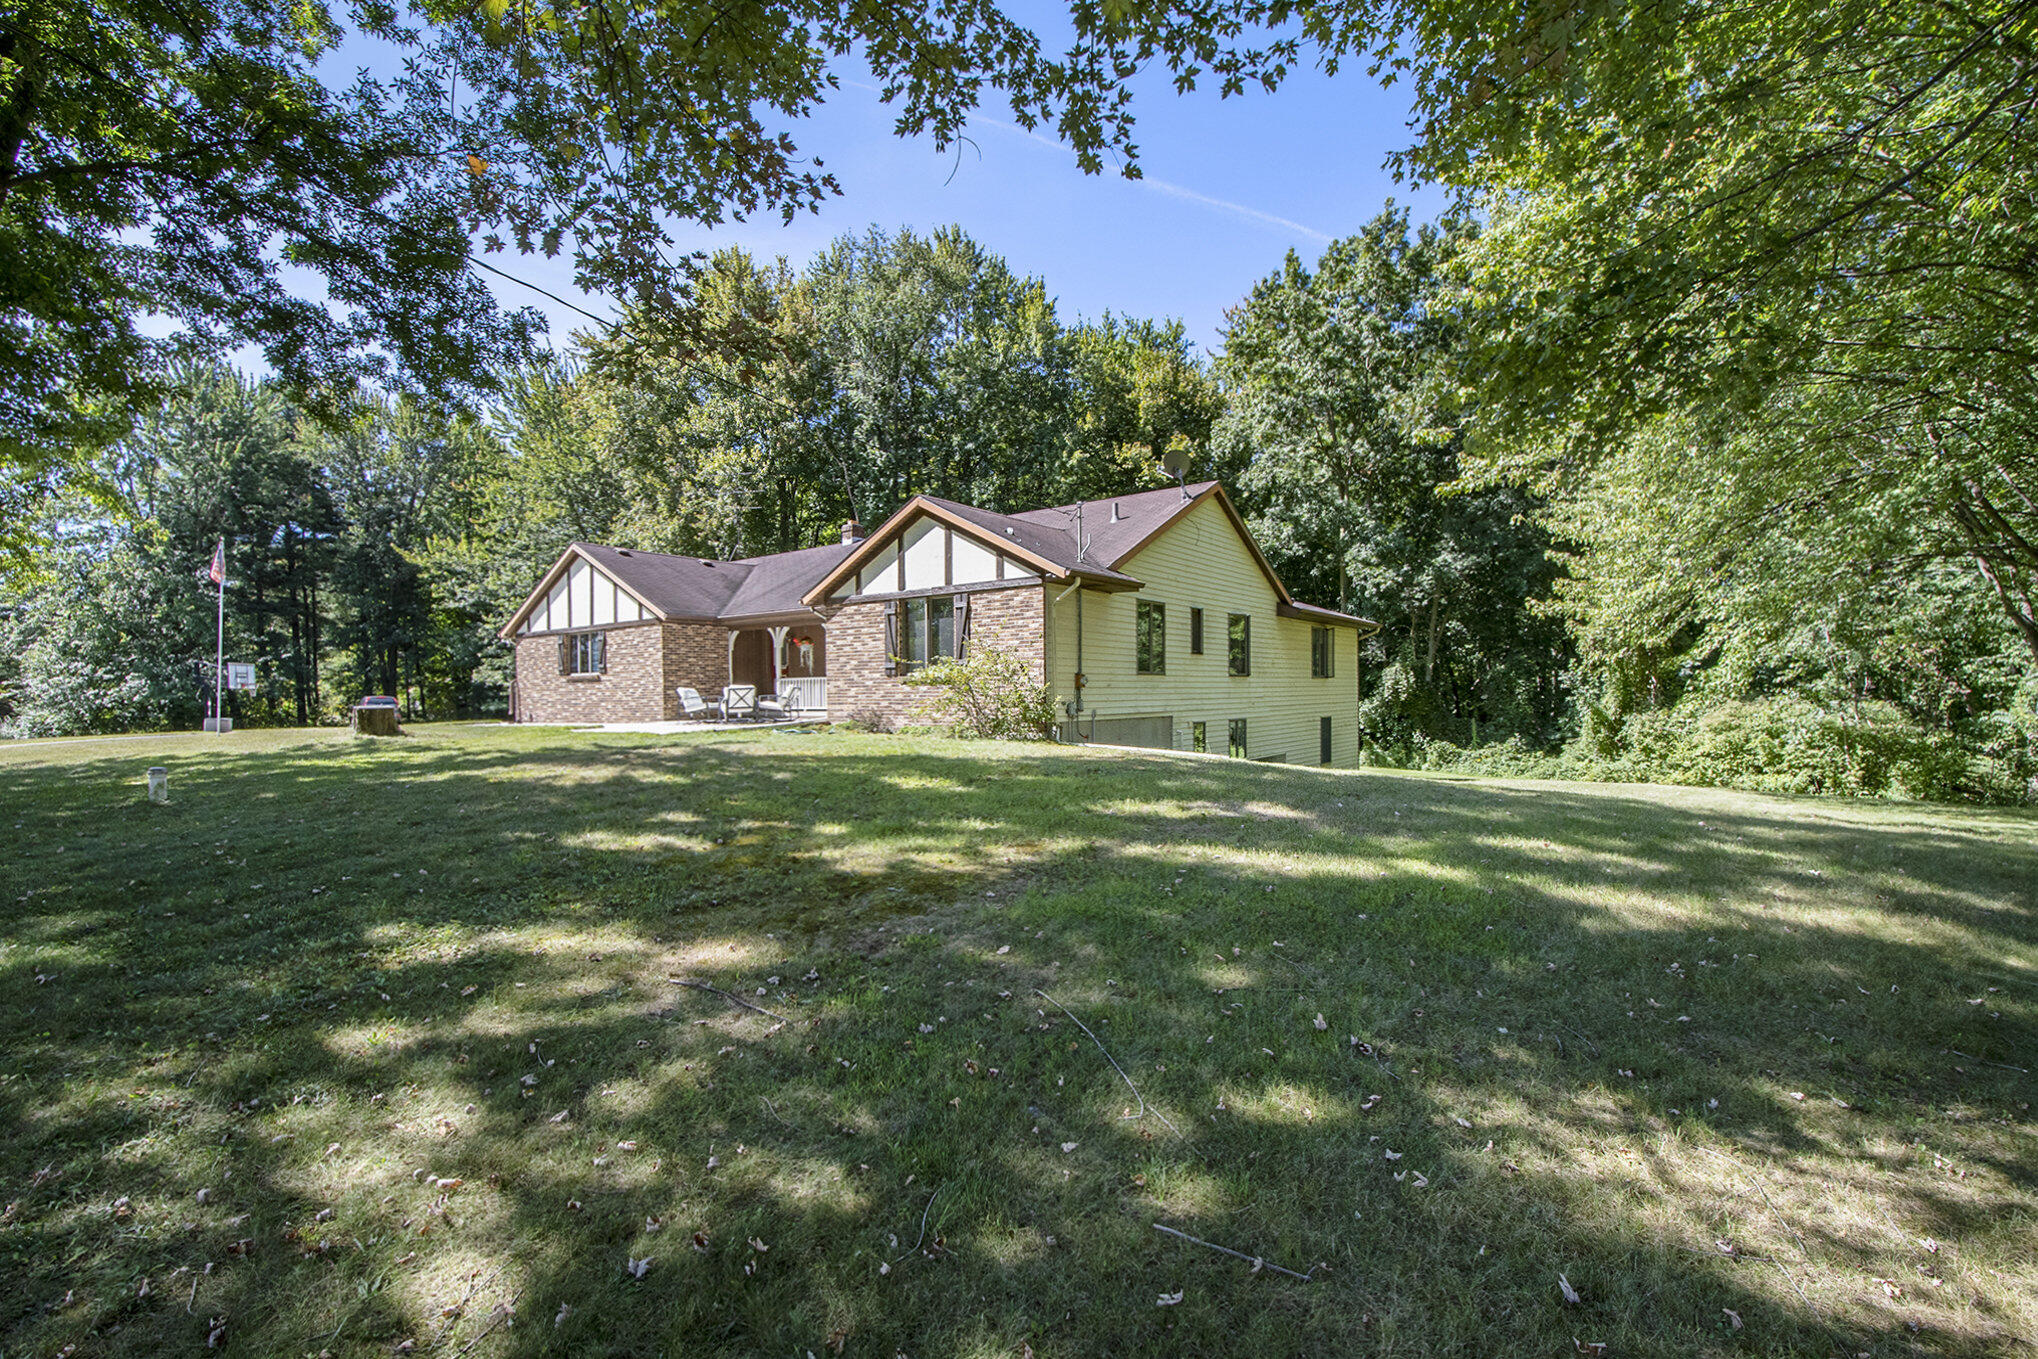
[
  {"x": 110, "y": 642},
  {"x": 991, "y": 693},
  {"x": 893, "y": 365},
  {"x": 1350, "y": 488},
  {"x": 325, "y": 597},
  {"x": 1778, "y": 745},
  {"x": 195, "y": 160}
]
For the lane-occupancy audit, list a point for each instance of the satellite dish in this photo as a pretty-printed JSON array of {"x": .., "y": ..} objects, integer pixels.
[{"x": 1175, "y": 461}]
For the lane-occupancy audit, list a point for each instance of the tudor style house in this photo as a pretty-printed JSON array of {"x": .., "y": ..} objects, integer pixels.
[{"x": 1153, "y": 617}]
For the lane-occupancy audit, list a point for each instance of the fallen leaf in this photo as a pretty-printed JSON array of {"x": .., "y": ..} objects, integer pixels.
[
  {"x": 1570, "y": 1293},
  {"x": 1169, "y": 1300},
  {"x": 758, "y": 1245},
  {"x": 1733, "y": 1317},
  {"x": 1321, "y": 1022},
  {"x": 1070, "y": 1146},
  {"x": 560, "y": 1320},
  {"x": 637, "y": 1269}
]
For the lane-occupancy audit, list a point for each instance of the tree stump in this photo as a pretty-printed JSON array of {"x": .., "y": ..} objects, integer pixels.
[{"x": 375, "y": 722}]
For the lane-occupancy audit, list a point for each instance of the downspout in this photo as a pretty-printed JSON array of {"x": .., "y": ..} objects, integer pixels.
[{"x": 1076, "y": 590}]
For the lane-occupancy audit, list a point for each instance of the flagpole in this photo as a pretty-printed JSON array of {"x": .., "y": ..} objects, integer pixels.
[{"x": 219, "y": 653}]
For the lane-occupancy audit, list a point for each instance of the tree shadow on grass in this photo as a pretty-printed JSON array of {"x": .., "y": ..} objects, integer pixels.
[{"x": 334, "y": 977}]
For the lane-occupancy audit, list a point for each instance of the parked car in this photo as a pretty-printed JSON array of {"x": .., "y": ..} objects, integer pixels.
[{"x": 378, "y": 701}]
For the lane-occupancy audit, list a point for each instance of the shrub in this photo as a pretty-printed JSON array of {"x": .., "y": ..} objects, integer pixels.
[
  {"x": 990, "y": 693},
  {"x": 871, "y": 719},
  {"x": 1782, "y": 745}
]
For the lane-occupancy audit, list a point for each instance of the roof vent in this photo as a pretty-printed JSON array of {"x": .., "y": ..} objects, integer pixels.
[
  {"x": 1116, "y": 513},
  {"x": 706, "y": 562},
  {"x": 622, "y": 552},
  {"x": 1008, "y": 530}
]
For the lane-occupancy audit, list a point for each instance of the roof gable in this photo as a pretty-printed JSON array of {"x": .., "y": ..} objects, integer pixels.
[
  {"x": 1045, "y": 539},
  {"x": 666, "y": 586},
  {"x": 581, "y": 592}
]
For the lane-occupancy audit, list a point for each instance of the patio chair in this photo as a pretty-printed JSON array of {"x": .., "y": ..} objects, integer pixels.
[
  {"x": 777, "y": 709},
  {"x": 739, "y": 703},
  {"x": 692, "y": 706}
]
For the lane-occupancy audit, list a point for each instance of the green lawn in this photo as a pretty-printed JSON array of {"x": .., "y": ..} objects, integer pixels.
[{"x": 354, "y": 1044}]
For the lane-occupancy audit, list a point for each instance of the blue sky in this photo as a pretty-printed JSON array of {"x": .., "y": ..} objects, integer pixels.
[{"x": 1230, "y": 186}]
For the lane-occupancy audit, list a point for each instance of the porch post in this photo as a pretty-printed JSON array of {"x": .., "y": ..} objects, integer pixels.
[
  {"x": 777, "y": 646},
  {"x": 732, "y": 657}
]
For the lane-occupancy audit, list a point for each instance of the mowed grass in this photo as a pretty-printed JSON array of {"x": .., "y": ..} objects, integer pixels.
[{"x": 363, "y": 1045}]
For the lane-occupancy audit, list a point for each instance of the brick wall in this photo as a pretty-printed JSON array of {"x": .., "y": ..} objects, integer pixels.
[
  {"x": 1013, "y": 619},
  {"x": 628, "y": 692},
  {"x": 696, "y": 655},
  {"x": 647, "y": 662}
]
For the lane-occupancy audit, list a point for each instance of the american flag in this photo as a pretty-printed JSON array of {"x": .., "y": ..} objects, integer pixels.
[{"x": 216, "y": 573}]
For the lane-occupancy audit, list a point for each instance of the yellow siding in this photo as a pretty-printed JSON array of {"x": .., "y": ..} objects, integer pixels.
[{"x": 1200, "y": 561}]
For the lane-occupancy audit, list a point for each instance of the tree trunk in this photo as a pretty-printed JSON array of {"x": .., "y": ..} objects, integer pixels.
[
  {"x": 1429, "y": 663},
  {"x": 2007, "y": 560}
]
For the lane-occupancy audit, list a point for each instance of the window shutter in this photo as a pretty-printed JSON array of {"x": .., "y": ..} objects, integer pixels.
[
  {"x": 565, "y": 656},
  {"x": 601, "y": 652},
  {"x": 962, "y": 603},
  {"x": 892, "y": 637}
]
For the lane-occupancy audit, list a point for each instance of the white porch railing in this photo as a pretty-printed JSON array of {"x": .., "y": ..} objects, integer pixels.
[{"x": 808, "y": 693}]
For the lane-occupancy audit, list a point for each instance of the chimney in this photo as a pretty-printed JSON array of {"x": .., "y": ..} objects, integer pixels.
[{"x": 852, "y": 532}]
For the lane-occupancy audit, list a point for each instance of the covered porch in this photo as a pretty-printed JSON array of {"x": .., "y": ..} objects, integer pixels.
[{"x": 786, "y": 661}]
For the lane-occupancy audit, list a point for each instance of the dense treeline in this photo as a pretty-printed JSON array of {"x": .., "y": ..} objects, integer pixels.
[
  {"x": 1645, "y": 619},
  {"x": 377, "y": 553}
]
